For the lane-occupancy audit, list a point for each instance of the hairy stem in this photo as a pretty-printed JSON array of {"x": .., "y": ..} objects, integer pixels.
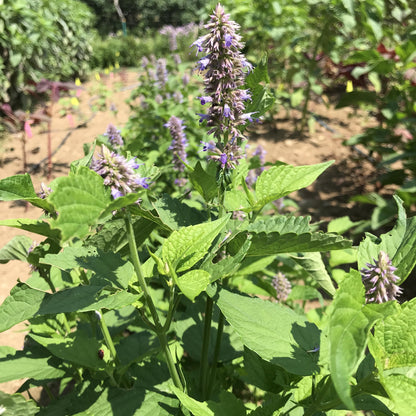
[
  {"x": 149, "y": 302},
  {"x": 107, "y": 338},
  {"x": 220, "y": 330},
  {"x": 205, "y": 348}
]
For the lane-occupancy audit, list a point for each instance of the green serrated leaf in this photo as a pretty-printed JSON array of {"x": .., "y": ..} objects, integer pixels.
[
  {"x": 194, "y": 406},
  {"x": 22, "y": 365},
  {"x": 266, "y": 244},
  {"x": 109, "y": 268},
  {"x": 79, "y": 199},
  {"x": 281, "y": 224},
  {"x": 119, "y": 203},
  {"x": 20, "y": 187},
  {"x": 16, "y": 405},
  {"x": 16, "y": 249},
  {"x": 204, "y": 181},
  {"x": 176, "y": 214},
  {"x": 183, "y": 248},
  {"x": 25, "y": 302},
  {"x": 275, "y": 333},
  {"x": 280, "y": 181},
  {"x": 78, "y": 348},
  {"x": 34, "y": 226},
  {"x": 193, "y": 283},
  {"x": 314, "y": 265}
]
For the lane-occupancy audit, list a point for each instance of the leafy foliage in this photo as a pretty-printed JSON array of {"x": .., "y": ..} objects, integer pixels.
[{"x": 41, "y": 39}]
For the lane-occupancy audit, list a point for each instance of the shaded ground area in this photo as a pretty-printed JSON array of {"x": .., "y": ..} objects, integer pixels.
[{"x": 329, "y": 196}]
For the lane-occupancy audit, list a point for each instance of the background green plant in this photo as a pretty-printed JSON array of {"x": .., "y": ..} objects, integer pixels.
[{"x": 41, "y": 39}]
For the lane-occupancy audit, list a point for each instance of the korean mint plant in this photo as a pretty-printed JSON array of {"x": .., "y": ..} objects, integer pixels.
[{"x": 145, "y": 302}]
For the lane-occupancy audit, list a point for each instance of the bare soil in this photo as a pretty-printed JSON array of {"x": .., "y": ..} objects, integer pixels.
[{"x": 350, "y": 174}]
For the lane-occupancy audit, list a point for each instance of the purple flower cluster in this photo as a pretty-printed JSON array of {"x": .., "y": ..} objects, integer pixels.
[
  {"x": 380, "y": 281},
  {"x": 118, "y": 172},
  {"x": 173, "y": 32},
  {"x": 282, "y": 286},
  {"x": 224, "y": 69},
  {"x": 114, "y": 135},
  {"x": 179, "y": 142}
]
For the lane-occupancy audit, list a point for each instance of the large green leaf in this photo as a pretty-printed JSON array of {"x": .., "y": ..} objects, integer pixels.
[
  {"x": 20, "y": 187},
  {"x": 16, "y": 249},
  {"x": 79, "y": 199},
  {"x": 176, "y": 214},
  {"x": 350, "y": 321},
  {"x": 314, "y": 265},
  {"x": 205, "y": 181},
  {"x": 34, "y": 226},
  {"x": 78, "y": 348},
  {"x": 183, "y": 248},
  {"x": 112, "y": 235},
  {"x": 266, "y": 244},
  {"x": 16, "y": 405},
  {"x": 26, "y": 365},
  {"x": 280, "y": 181},
  {"x": 92, "y": 399},
  {"x": 193, "y": 283},
  {"x": 394, "y": 349},
  {"x": 25, "y": 302},
  {"x": 109, "y": 268},
  {"x": 229, "y": 405},
  {"x": 274, "y": 332}
]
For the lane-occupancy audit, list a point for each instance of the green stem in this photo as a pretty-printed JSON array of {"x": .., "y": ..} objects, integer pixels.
[
  {"x": 107, "y": 338},
  {"x": 205, "y": 347},
  {"x": 149, "y": 302},
  {"x": 220, "y": 330}
]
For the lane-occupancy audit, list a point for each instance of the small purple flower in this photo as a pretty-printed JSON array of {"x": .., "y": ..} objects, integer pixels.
[
  {"x": 114, "y": 135},
  {"x": 227, "y": 111},
  {"x": 228, "y": 40},
  {"x": 118, "y": 172},
  {"x": 223, "y": 159},
  {"x": 205, "y": 99},
  {"x": 202, "y": 117},
  {"x": 203, "y": 63},
  {"x": 179, "y": 142},
  {"x": 227, "y": 156},
  {"x": 45, "y": 191},
  {"x": 380, "y": 281},
  {"x": 209, "y": 146},
  {"x": 198, "y": 43},
  {"x": 282, "y": 286}
]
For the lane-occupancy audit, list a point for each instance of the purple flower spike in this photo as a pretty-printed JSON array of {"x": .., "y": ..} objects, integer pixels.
[
  {"x": 380, "y": 281},
  {"x": 118, "y": 172},
  {"x": 179, "y": 143},
  {"x": 282, "y": 286},
  {"x": 114, "y": 135},
  {"x": 224, "y": 75}
]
